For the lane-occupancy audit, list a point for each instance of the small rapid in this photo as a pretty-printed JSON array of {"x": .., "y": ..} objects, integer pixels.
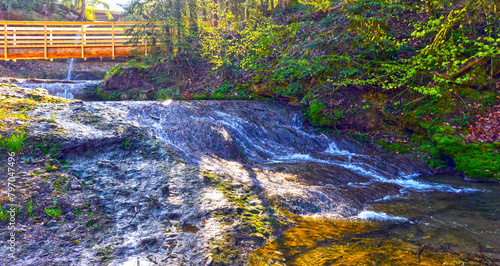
[
  {"x": 68, "y": 89},
  {"x": 152, "y": 164},
  {"x": 266, "y": 145}
]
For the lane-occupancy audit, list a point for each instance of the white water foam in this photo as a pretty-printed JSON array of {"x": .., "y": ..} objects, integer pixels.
[
  {"x": 389, "y": 197},
  {"x": 65, "y": 94},
  {"x": 333, "y": 149},
  {"x": 408, "y": 182},
  {"x": 379, "y": 216}
]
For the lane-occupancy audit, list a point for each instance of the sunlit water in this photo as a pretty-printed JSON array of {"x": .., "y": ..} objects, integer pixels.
[
  {"x": 70, "y": 68},
  {"x": 326, "y": 175},
  {"x": 68, "y": 89},
  {"x": 316, "y": 174}
]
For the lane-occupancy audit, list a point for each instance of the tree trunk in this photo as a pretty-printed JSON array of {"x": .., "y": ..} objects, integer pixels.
[
  {"x": 193, "y": 17},
  {"x": 431, "y": 10},
  {"x": 216, "y": 17},
  {"x": 84, "y": 6},
  {"x": 246, "y": 9},
  {"x": 204, "y": 11},
  {"x": 236, "y": 10}
]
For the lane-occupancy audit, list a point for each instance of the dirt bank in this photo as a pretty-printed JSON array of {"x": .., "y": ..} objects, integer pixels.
[{"x": 90, "y": 69}]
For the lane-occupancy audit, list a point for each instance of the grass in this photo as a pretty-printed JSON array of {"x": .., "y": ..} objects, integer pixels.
[
  {"x": 3, "y": 214},
  {"x": 14, "y": 142},
  {"x": 52, "y": 118},
  {"x": 54, "y": 212},
  {"x": 29, "y": 206}
]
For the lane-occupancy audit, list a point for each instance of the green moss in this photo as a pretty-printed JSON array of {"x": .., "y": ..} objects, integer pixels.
[
  {"x": 477, "y": 160},
  {"x": 257, "y": 218},
  {"x": 219, "y": 96},
  {"x": 394, "y": 146},
  {"x": 361, "y": 137},
  {"x": 104, "y": 96},
  {"x": 315, "y": 115},
  {"x": 430, "y": 148},
  {"x": 496, "y": 144},
  {"x": 200, "y": 97}
]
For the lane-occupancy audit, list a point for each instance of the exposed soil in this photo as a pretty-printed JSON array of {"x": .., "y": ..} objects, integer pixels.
[{"x": 90, "y": 69}]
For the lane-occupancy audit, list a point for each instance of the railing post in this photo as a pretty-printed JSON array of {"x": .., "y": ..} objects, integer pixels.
[
  {"x": 113, "y": 39},
  {"x": 45, "y": 39},
  {"x": 5, "y": 40},
  {"x": 83, "y": 45}
]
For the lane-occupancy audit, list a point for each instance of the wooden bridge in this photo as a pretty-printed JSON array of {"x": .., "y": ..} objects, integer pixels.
[{"x": 48, "y": 40}]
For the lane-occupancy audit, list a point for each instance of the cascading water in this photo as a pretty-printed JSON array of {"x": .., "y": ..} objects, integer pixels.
[
  {"x": 70, "y": 68},
  {"x": 325, "y": 174},
  {"x": 63, "y": 88},
  {"x": 161, "y": 210}
]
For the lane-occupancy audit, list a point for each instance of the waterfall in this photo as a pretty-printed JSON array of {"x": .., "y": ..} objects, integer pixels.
[{"x": 70, "y": 68}]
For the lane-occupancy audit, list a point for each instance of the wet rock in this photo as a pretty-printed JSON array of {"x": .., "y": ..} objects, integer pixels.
[
  {"x": 148, "y": 242},
  {"x": 165, "y": 190},
  {"x": 139, "y": 178},
  {"x": 174, "y": 216},
  {"x": 69, "y": 217}
]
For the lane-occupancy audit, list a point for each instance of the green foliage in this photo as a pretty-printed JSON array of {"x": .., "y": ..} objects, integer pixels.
[
  {"x": 94, "y": 5},
  {"x": 54, "y": 212},
  {"x": 315, "y": 114},
  {"x": 440, "y": 64},
  {"x": 431, "y": 149},
  {"x": 27, "y": 6},
  {"x": 114, "y": 70},
  {"x": 29, "y": 206},
  {"x": 168, "y": 28},
  {"x": 4, "y": 215},
  {"x": 394, "y": 146},
  {"x": 14, "y": 142}
]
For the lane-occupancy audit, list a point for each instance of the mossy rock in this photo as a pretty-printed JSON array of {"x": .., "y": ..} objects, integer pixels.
[
  {"x": 477, "y": 160},
  {"x": 394, "y": 146},
  {"x": 315, "y": 115}
]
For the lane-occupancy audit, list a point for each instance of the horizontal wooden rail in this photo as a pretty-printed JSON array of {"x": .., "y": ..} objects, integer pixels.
[{"x": 48, "y": 40}]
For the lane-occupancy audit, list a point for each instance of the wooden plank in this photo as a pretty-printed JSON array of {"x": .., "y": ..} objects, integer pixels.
[
  {"x": 79, "y": 46},
  {"x": 11, "y": 22},
  {"x": 76, "y": 41},
  {"x": 62, "y": 33},
  {"x": 39, "y": 39},
  {"x": 30, "y": 40}
]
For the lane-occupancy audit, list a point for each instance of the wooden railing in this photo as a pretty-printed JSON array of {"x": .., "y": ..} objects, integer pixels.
[{"x": 48, "y": 40}]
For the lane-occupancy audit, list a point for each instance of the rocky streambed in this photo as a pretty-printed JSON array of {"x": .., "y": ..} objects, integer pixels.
[{"x": 208, "y": 183}]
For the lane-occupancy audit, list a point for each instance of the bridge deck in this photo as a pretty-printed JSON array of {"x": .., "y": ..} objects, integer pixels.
[{"x": 47, "y": 40}]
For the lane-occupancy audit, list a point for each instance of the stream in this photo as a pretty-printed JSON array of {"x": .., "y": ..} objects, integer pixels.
[{"x": 268, "y": 148}]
